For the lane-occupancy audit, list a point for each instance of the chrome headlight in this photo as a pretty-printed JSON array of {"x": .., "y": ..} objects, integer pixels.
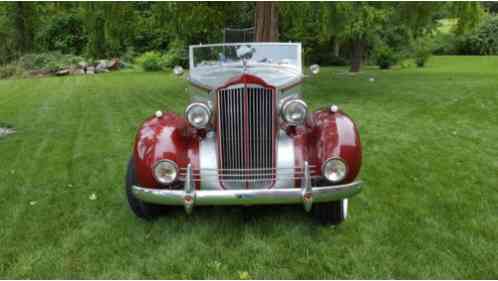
[
  {"x": 334, "y": 170},
  {"x": 198, "y": 115},
  {"x": 294, "y": 111},
  {"x": 165, "y": 171}
]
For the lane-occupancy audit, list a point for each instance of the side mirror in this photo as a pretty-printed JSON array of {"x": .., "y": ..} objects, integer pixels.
[
  {"x": 178, "y": 70},
  {"x": 315, "y": 69}
]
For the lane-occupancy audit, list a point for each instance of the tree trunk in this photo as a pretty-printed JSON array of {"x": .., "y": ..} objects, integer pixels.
[
  {"x": 358, "y": 47},
  {"x": 266, "y": 22},
  {"x": 337, "y": 48},
  {"x": 23, "y": 14}
]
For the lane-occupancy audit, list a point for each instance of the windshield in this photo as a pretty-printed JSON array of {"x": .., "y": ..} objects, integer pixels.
[{"x": 251, "y": 54}]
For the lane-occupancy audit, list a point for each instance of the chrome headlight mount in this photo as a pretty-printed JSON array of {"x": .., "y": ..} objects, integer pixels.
[
  {"x": 294, "y": 111},
  {"x": 198, "y": 114}
]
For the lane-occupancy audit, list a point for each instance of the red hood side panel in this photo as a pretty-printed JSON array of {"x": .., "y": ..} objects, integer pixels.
[{"x": 168, "y": 137}]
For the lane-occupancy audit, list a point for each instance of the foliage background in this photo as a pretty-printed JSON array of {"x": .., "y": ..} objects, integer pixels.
[{"x": 328, "y": 31}]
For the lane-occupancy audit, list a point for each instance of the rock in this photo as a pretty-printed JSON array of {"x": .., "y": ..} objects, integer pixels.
[
  {"x": 114, "y": 64},
  {"x": 90, "y": 70},
  {"x": 63, "y": 72},
  {"x": 40, "y": 72},
  {"x": 83, "y": 64},
  {"x": 77, "y": 71},
  {"x": 101, "y": 66}
]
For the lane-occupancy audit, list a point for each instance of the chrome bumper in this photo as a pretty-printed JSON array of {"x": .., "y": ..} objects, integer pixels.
[{"x": 307, "y": 195}]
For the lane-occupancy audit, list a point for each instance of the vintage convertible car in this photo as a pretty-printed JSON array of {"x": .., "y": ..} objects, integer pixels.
[{"x": 247, "y": 138}]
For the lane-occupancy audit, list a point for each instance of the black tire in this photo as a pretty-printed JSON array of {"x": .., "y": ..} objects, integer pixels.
[
  {"x": 330, "y": 213},
  {"x": 141, "y": 209}
]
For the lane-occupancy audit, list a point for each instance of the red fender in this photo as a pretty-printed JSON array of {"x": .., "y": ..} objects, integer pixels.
[
  {"x": 167, "y": 137},
  {"x": 329, "y": 134}
]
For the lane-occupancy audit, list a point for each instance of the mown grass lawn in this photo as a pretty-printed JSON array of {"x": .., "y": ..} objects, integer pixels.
[{"x": 429, "y": 208}]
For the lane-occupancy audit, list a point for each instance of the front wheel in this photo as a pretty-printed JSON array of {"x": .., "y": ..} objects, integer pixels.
[
  {"x": 140, "y": 209},
  {"x": 331, "y": 213}
]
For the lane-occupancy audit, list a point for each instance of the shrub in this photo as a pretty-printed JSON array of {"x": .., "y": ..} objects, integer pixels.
[
  {"x": 385, "y": 57},
  {"x": 405, "y": 64},
  {"x": 64, "y": 33},
  {"x": 483, "y": 41},
  {"x": 8, "y": 71},
  {"x": 50, "y": 61},
  {"x": 445, "y": 44},
  {"x": 150, "y": 61},
  {"x": 36, "y": 61},
  {"x": 422, "y": 51},
  {"x": 129, "y": 55},
  {"x": 176, "y": 54},
  {"x": 328, "y": 58}
]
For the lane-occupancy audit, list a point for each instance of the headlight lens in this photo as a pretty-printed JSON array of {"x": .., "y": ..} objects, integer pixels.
[
  {"x": 334, "y": 170},
  {"x": 165, "y": 171},
  {"x": 294, "y": 111},
  {"x": 178, "y": 70},
  {"x": 315, "y": 69},
  {"x": 198, "y": 115}
]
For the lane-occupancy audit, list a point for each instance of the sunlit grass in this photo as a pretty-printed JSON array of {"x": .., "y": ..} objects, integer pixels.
[{"x": 429, "y": 208}]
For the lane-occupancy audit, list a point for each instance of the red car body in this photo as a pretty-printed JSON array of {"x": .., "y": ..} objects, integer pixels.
[{"x": 325, "y": 134}]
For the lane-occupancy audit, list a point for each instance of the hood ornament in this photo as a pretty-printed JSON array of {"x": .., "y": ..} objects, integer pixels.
[{"x": 244, "y": 53}]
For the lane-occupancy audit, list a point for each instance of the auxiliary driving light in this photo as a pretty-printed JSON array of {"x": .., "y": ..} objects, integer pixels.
[
  {"x": 165, "y": 171},
  {"x": 334, "y": 170}
]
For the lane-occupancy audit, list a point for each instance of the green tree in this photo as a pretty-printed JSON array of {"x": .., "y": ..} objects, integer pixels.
[
  {"x": 20, "y": 22},
  {"x": 360, "y": 23},
  {"x": 118, "y": 27},
  {"x": 356, "y": 23},
  {"x": 94, "y": 23},
  {"x": 7, "y": 48},
  {"x": 298, "y": 23}
]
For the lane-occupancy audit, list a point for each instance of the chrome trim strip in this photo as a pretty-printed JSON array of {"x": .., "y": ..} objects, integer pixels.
[
  {"x": 254, "y": 169},
  {"x": 208, "y": 166},
  {"x": 246, "y": 43}
]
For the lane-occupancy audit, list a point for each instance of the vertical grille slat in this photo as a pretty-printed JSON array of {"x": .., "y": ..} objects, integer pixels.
[{"x": 246, "y": 120}]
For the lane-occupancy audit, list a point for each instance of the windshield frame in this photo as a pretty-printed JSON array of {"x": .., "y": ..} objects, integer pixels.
[{"x": 298, "y": 67}]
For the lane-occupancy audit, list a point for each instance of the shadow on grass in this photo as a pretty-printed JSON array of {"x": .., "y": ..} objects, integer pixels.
[{"x": 258, "y": 217}]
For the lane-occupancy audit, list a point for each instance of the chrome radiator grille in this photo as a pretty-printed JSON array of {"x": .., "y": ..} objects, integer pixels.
[{"x": 246, "y": 137}]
